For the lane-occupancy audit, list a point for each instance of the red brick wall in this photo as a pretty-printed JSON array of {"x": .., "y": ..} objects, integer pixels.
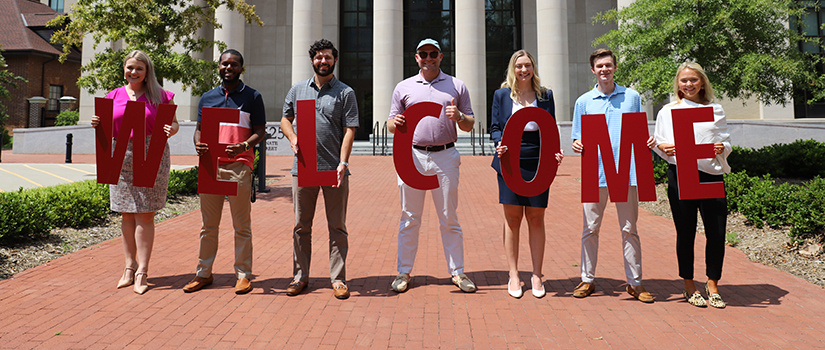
[{"x": 31, "y": 67}]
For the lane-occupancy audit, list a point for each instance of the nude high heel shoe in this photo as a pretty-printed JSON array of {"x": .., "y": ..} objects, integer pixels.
[
  {"x": 140, "y": 282},
  {"x": 127, "y": 279}
]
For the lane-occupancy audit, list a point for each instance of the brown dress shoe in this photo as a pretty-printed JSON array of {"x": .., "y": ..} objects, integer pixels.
[
  {"x": 243, "y": 286},
  {"x": 340, "y": 290},
  {"x": 584, "y": 289},
  {"x": 295, "y": 288},
  {"x": 640, "y": 293},
  {"x": 197, "y": 284}
]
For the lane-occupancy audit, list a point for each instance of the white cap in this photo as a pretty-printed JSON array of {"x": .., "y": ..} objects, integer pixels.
[{"x": 428, "y": 41}]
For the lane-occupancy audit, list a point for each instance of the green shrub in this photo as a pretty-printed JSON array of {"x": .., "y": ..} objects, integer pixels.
[
  {"x": 659, "y": 169},
  {"x": 182, "y": 182},
  {"x": 81, "y": 204},
  {"x": 736, "y": 185},
  {"x": 807, "y": 210},
  {"x": 67, "y": 118},
  {"x": 802, "y": 159},
  {"x": 22, "y": 216},
  {"x": 7, "y": 139},
  {"x": 31, "y": 213}
]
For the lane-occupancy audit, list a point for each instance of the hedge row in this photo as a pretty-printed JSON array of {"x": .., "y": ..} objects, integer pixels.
[
  {"x": 764, "y": 202},
  {"x": 31, "y": 213}
]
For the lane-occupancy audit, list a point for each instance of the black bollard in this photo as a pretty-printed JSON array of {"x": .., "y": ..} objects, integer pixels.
[
  {"x": 69, "y": 148},
  {"x": 262, "y": 165}
]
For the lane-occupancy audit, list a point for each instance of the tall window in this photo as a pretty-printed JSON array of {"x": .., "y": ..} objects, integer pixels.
[
  {"x": 429, "y": 19},
  {"x": 810, "y": 25},
  {"x": 56, "y": 5},
  {"x": 355, "y": 59},
  {"x": 55, "y": 93},
  {"x": 503, "y": 24}
]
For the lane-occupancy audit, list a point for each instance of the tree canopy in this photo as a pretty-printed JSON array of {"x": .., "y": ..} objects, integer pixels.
[
  {"x": 167, "y": 30},
  {"x": 749, "y": 48}
]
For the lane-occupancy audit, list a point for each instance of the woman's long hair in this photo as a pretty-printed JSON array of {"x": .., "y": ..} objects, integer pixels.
[
  {"x": 153, "y": 89},
  {"x": 510, "y": 81},
  {"x": 706, "y": 93}
]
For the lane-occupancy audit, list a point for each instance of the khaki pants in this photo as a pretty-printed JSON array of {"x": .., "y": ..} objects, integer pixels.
[
  {"x": 335, "y": 203},
  {"x": 240, "y": 207}
]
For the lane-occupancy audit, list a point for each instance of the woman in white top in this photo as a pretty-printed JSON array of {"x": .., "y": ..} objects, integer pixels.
[{"x": 693, "y": 90}]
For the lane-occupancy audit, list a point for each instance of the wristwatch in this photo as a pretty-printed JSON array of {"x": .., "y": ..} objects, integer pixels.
[
  {"x": 245, "y": 145},
  {"x": 461, "y": 118},
  {"x": 345, "y": 164}
]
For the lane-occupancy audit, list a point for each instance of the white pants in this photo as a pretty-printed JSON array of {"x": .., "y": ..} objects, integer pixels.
[
  {"x": 443, "y": 164},
  {"x": 628, "y": 213}
]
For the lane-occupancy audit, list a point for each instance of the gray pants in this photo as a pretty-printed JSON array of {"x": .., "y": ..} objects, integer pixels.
[{"x": 335, "y": 202}]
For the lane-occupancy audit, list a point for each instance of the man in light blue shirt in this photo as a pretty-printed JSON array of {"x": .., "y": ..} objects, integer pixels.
[{"x": 612, "y": 100}]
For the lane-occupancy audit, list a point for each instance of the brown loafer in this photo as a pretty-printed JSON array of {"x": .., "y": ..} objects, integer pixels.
[
  {"x": 243, "y": 286},
  {"x": 584, "y": 289},
  {"x": 640, "y": 293},
  {"x": 197, "y": 284},
  {"x": 295, "y": 288},
  {"x": 340, "y": 290}
]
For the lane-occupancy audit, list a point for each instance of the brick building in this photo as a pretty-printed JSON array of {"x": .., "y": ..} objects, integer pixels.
[{"x": 24, "y": 39}]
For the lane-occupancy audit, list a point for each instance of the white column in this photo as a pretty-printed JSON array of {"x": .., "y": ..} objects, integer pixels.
[
  {"x": 387, "y": 56},
  {"x": 470, "y": 53},
  {"x": 306, "y": 28},
  {"x": 232, "y": 30},
  {"x": 553, "y": 53}
]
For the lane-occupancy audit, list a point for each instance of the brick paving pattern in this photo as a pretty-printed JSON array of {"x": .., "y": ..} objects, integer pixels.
[{"x": 72, "y": 302}]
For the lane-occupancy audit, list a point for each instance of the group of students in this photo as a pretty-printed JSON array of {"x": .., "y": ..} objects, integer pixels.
[
  {"x": 691, "y": 89},
  {"x": 433, "y": 154}
]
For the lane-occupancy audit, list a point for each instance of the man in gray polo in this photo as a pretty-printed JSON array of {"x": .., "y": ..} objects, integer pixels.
[{"x": 336, "y": 117}]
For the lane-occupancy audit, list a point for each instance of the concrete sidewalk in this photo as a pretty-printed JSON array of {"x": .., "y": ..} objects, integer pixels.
[{"x": 71, "y": 302}]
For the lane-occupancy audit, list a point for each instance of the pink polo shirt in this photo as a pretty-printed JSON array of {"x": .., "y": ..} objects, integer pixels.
[{"x": 432, "y": 131}]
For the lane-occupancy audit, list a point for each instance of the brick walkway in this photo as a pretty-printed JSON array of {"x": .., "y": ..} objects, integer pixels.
[{"x": 71, "y": 302}]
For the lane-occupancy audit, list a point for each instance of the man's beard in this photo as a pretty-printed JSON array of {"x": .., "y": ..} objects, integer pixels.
[{"x": 317, "y": 71}]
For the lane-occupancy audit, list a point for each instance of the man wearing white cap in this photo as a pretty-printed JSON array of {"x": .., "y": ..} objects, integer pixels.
[{"x": 434, "y": 153}]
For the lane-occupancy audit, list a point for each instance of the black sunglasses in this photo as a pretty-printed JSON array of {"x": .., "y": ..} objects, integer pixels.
[{"x": 423, "y": 54}]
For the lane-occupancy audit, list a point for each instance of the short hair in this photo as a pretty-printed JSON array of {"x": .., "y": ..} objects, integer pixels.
[
  {"x": 232, "y": 52},
  {"x": 707, "y": 90},
  {"x": 599, "y": 53},
  {"x": 322, "y": 44}
]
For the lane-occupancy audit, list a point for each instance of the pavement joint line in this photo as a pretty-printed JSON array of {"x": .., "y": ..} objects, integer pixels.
[
  {"x": 48, "y": 173},
  {"x": 76, "y": 169},
  {"x": 18, "y": 175}
]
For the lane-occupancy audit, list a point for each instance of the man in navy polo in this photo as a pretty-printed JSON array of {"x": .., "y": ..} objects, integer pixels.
[{"x": 243, "y": 136}]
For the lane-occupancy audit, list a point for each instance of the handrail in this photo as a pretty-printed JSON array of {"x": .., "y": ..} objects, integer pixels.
[
  {"x": 374, "y": 137},
  {"x": 481, "y": 139},
  {"x": 473, "y": 139},
  {"x": 384, "y": 140}
]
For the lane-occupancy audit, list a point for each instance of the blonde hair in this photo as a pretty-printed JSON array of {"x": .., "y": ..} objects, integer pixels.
[
  {"x": 707, "y": 90},
  {"x": 153, "y": 89},
  {"x": 510, "y": 81}
]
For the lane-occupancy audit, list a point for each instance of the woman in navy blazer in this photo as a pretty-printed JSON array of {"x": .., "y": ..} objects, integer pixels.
[{"x": 522, "y": 89}]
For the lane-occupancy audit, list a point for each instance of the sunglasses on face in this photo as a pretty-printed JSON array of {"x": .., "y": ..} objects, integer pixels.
[{"x": 423, "y": 54}]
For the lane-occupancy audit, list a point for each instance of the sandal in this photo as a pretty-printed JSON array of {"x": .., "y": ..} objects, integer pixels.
[
  {"x": 714, "y": 299},
  {"x": 128, "y": 277},
  {"x": 695, "y": 299}
]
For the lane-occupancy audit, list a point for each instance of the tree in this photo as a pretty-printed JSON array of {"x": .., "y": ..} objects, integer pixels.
[
  {"x": 747, "y": 47},
  {"x": 167, "y": 30},
  {"x": 7, "y": 80}
]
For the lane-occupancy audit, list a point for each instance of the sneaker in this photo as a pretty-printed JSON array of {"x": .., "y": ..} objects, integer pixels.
[
  {"x": 464, "y": 283},
  {"x": 401, "y": 282}
]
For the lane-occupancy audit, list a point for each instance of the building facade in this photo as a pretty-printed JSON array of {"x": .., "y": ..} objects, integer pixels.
[{"x": 376, "y": 40}]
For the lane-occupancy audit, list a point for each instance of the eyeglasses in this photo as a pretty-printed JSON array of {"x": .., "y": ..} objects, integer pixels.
[{"x": 423, "y": 54}]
